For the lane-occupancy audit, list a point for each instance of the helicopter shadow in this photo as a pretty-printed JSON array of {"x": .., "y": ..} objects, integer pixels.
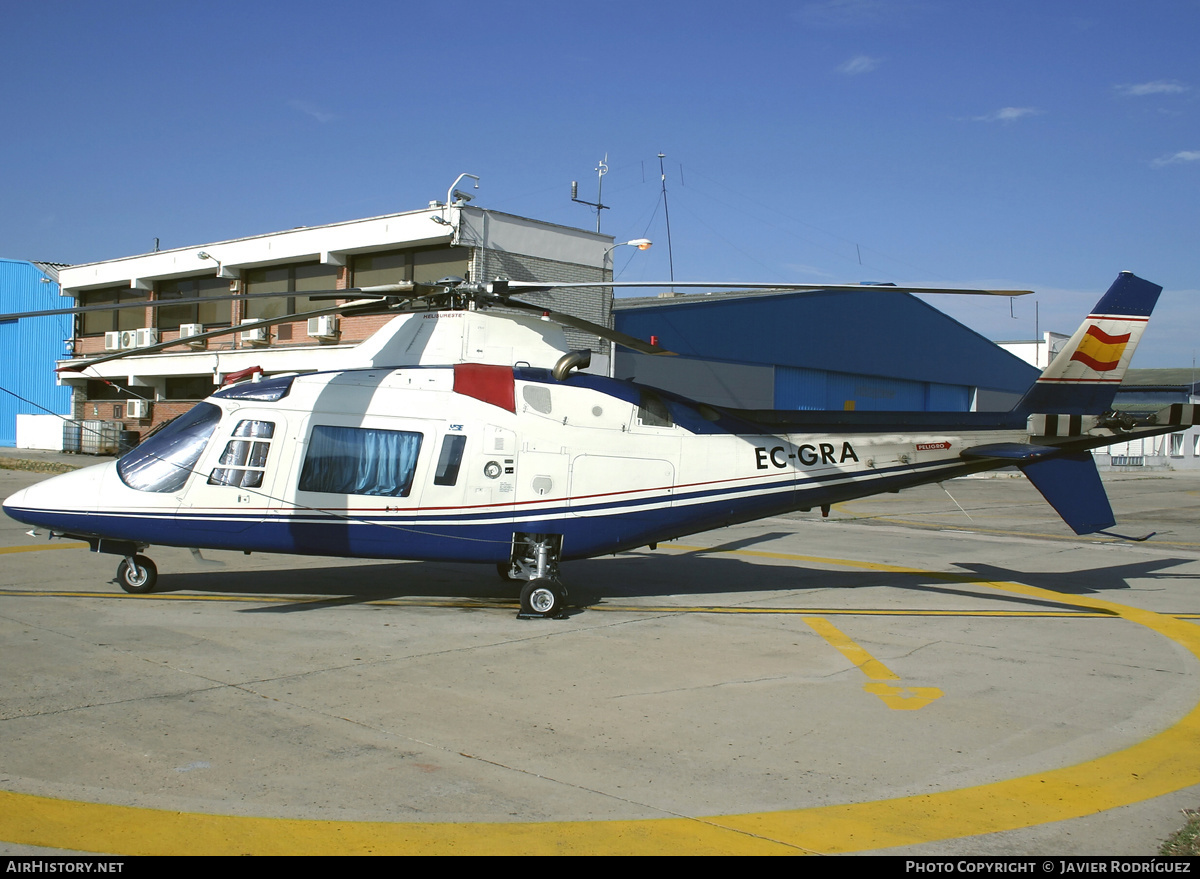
[
  {"x": 1092, "y": 581},
  {"x": 700, "y": 574}
]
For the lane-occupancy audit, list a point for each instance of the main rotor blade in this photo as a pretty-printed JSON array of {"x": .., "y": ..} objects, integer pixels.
[
  {"x": 536, "y": 287},
  {"x": 380, "y": 290},
  {"x": 355, "y": 307},
  {"x": 587, "y": 326}
]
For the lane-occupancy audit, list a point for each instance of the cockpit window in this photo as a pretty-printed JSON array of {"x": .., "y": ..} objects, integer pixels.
[
  {"x": 244, "y": 458},
  {"x": 164, "y": 462}
]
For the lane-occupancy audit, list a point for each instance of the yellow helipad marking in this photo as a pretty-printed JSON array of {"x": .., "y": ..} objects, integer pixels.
[
  {"x": 878, "y": 674},
  {"x": 1161, "y": 764},
  {"x": 867, "y": 664}
]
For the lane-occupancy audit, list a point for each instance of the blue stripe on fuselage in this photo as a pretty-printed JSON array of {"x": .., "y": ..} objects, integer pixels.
[{"x": 601, "y": 527}]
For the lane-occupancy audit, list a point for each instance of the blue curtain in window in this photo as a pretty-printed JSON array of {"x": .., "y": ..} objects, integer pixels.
[{"x": 359, "y": 460}]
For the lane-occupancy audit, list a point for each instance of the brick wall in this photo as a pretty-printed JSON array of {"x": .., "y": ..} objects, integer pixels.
[{"x": 590, "y": 303}]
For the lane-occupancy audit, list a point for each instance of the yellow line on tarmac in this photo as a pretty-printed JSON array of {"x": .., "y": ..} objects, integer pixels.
[
  {"x": 40, "y": 547},
  {"x": 508, "y": 604},
  {"x": 1161, "y": 764}
]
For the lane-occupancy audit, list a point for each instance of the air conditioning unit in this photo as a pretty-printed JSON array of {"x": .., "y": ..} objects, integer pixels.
[
  {"x": 324, "y": 326},
  {"x": 128, "y": 339},
  {"x": 139, "y": 409},
  {"x": 256, "y": 335},
  {"x": 145, "y": 337},
  {"x": 186, "y": 331},
  {"x": 112, "y": 341}
]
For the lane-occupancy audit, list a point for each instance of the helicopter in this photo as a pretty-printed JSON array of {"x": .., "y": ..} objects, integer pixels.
[{"x": 491, "y": 445}]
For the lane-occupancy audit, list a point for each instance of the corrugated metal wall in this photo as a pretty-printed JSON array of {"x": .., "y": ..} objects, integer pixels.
[
  {"x": 883, "y": 349},
  {"x": 819, "y": 389},
  {"x": 30, "y": 347}
]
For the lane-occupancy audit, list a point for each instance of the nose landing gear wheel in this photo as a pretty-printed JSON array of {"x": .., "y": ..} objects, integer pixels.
[
  {"x": 137, "y": 574},
  {"x": 542, "y": 598}
]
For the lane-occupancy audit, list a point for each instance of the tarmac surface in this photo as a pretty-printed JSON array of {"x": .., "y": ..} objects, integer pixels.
[{"x": 904, "y": 677}]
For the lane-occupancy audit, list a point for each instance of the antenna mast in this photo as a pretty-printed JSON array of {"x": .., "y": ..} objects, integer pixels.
[
  {"x": 598, "y": 204},
  {"x": 667, "y": 215}
]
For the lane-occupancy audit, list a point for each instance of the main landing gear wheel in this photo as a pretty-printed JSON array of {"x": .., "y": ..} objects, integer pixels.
[
  {"x": 137, "y": 574},
  {"x": 542, "y": 598}
]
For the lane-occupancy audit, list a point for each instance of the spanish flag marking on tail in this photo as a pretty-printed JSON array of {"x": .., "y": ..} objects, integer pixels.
[
  {"x": 1099, "y": 350},
  {"x": 1083, "y": 377}
]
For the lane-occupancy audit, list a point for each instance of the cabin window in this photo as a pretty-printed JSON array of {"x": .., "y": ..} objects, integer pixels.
[
  {"x": 653, "y": 412},
  {"x": 360, "y": 460},
  {"x": 537, "y": 398},
  {"x": 450, "y": 460},
  {"x": 164, "y": 461},
  {"x": 244, "y": 459}
]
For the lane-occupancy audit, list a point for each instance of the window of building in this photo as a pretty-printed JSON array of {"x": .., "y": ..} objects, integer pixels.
[
  {"x": 188, "y": 387},
  {"x": 371, "y": 269},
  {"x": 96, "y": 323},
  {"x": 209, "y": 314},
  {"x": 1176, "y": 445},
  {"x": 424, "y": 265},
  {"x": 433, "y": 265},
  {"x": 359, "y": 460},
  {"x": 291, "y": 279},
  {"x": 110, "y": 389}
]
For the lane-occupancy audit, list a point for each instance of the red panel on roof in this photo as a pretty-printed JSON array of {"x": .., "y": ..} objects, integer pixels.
[{"x": 492, "y": 384}]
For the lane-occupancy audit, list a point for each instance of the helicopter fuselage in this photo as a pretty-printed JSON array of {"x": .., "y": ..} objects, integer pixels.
[{"x": 449, "y": 463}]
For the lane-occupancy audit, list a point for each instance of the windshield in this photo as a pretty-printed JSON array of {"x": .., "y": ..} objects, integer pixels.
[{"x": 164, "y": 462}]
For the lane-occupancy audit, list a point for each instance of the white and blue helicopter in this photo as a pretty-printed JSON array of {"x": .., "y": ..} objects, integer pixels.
[{"x": 461, "y": 433}]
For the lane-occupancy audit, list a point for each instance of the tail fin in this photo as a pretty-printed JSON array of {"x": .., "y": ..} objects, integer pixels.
[{"x": 1083, "y": 378}]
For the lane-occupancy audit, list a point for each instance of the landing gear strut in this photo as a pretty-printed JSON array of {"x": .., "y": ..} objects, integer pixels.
[{"x": 535, "y": 559}]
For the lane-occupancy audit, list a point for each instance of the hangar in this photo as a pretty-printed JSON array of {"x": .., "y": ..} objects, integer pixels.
[
  {"x": 879, "y": 349},
  {"x": 31, "y": 346}
]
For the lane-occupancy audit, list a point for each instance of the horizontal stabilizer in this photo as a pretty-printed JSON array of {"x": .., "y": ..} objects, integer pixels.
[
  {"x": 1071, "y": 484},
  {"x": 1015, "y": 452}
]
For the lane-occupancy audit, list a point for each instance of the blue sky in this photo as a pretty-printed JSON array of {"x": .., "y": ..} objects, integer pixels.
[{"x": 1038, "y": 145}]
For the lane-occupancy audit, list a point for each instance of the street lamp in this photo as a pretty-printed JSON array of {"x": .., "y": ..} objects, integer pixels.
[
  {"x": 203, "y": 255},
  {"x": 639, "y": 243}
]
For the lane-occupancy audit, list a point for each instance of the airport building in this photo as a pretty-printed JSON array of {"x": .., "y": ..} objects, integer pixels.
[
  {"x": 1144, "y": 392},
  {"x": 134, "y": 394}
]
